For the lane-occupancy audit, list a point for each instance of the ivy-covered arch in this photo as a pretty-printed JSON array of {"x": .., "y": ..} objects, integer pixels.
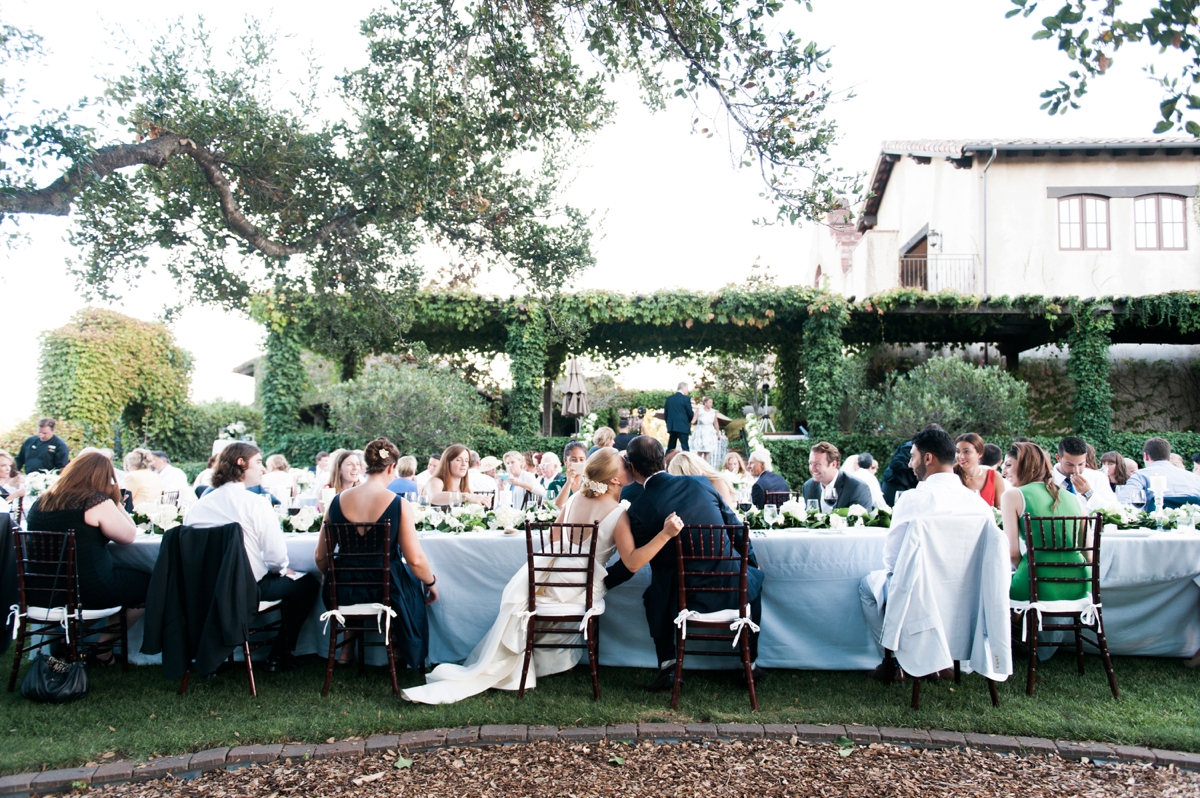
[{"x": 108, "y": 374}]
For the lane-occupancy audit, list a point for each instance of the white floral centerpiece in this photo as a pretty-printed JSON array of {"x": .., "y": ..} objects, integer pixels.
[
  {"x": 754, "y": 436},
  {"x": 302, "y": 521},
  {"x": 235, "y": 432},
  {"x": 302, "y": 477},
  {"x": 39, "y": 482},
  {"x": 793, "y": 515},
  {"x": 153, "y": 518},
  {"x": 505, "y": 518},
  {"x": 587, "y": 428}
]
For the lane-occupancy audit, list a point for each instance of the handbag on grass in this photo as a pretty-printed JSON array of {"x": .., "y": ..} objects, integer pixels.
[{"x": 49, "y": 680}]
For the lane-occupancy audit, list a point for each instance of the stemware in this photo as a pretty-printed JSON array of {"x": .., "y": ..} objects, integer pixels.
[
  {"x": 456, "y": 499},
  {"x": 770, "y": 513},
  {"x": 813, "y": 505}
]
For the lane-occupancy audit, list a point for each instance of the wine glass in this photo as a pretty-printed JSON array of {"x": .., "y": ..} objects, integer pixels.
[
  {"x": 770, "y": 514},
  {"x": 1137, "y": 497},
  {"x": 831, "y": 495},
  {"x": 813, "y": 505},
  {"x": 456, "y": 499}
]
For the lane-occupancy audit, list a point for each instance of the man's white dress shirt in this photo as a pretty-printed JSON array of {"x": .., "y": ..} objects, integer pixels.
[
  {"x": 871, "y": 481},
  {"x": 937, "y": 494},
  {"x": 1102, "y": 498},
  {"x": 233, "y": 504},
  {"x": 480, "y": 482}
]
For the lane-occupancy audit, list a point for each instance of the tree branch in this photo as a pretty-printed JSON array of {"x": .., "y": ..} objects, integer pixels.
[{"x": 56, "y": 198}]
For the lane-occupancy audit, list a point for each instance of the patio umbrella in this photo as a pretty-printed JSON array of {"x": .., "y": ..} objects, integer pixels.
[{"x": 575, "y": 403}]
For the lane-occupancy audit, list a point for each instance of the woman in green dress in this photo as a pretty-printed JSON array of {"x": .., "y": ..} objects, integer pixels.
[{"x": 1029, "y": 467}]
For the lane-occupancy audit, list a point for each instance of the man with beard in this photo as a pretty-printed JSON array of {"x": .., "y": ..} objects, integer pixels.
[{"x": 939, "y": 492}]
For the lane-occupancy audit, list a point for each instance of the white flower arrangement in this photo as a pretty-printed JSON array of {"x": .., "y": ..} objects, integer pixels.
[
  {"x": 795, "y": 509},
  {"x": 542, "y": 514},
  {"x": 39, "y": 482},
  {"x": 856, "y": 511},
  {"x": 303, "y": 477},
  {"x": 587, "y": 428},
  {"x": 837, "y": 521},
  {"x": 153, "y": 518},
  {"x": 304, "y": 520},
  {"x": 754, "y": 438},
  {"x": 234, "y": 432},
  {"x": 505, "y": 518}
]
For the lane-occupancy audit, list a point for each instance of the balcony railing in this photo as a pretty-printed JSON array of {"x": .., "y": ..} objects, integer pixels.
[{"x": 941, "y": 273}]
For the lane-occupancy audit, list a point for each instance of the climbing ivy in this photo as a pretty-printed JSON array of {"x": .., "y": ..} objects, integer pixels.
[
  {"x": 1088, "y": 368},
  {"x": 821, "y": 363},
  {"x": 789, "y": 394},
  {"x": 284, "y": 381},
  {"x": 526, "y": 347},
  {"x": 106, "y": 374}
]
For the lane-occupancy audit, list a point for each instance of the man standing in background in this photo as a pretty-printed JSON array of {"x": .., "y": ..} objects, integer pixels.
[
  {"x": 679, "y": 417},
  {"x": 44, "y": 451}
]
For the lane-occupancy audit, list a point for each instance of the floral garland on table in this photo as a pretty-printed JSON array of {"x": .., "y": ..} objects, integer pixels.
[
  {"x": 1124, "y": 517},
  {"x": 39, "y": 482},
  {"x": 754, "y": 436},
  {"x": 153, "y": 518},
  {"x": 794, "y": 515},
  {"x": 301, "y": 522},
  {"x": 475, "y": 518}
]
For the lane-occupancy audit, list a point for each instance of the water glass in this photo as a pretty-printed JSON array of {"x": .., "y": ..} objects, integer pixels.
[
  {"x": 410, "y": 496},
  {"x": 455, "y": 499},
  {"x": 422, "y": 500},
  {"x": 813, "y": 505},
  {"x": 770, "y": 513}
]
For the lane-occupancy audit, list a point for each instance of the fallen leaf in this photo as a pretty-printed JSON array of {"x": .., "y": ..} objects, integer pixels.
[
  {"x": 110, "y": 728},
  {"x": 331, "y": 740},
  {"x": 402, "y": 763},
  {"x": 458, "y": 763},
  {"x": 617, "y": 760},
  {"x": 368, "y": 779}
]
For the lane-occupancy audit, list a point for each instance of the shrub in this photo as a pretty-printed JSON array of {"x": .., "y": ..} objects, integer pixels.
[
  {"x": 957, "y": 395},
  {"x": 198, "y": 426},
  {"x": 418, "y": 409}
]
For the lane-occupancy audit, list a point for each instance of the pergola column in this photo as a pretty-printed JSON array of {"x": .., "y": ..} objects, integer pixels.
[
  {"x": 526, "y": 348},
  {"x": 1088, "y": 367},
  {"x": 821, "y": 364},
  {"x": 284, "y": 379},
  {"x": 789, "y": 395}
]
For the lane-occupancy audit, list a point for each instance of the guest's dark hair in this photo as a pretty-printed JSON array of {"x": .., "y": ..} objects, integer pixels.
[
  {"x": 82, "y": 478},
  {"x": 1157, "y": 449},
  {"x": 212, "y": 458},
  {"x": 992, "y": 455},
  {"x": 379, "y": 454},
  {"x": 573, "y": 445},
  {"x": 161, "y": 455},
  {"x": 645, "y": 455},
  {"x": 936, "y": 442},
  {"x": 453, "y": 452},
  {"x": 1196, "y": 457},
  {"x": 623, "y": 423},
  {"x": 1120, "y": 474},
  {"x": 1072, "y": 446},
  {"x": 320, "y": 455},
  {"x": 227, "y": 468},
  {"x": 46, "y": 422},
  {"x": 832, "y": 455},
  {"x": 865, "y": 460}
]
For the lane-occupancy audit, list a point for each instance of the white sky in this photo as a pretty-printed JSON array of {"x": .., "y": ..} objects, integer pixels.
[{"x": 674, "y": 211}]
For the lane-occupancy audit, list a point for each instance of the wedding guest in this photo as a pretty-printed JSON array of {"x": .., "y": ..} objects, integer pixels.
[
  {"x": 239, "y": 466},
  {"x": 320, "y": 469},
  {"x": 452, "y": 477},
  {"x": 532, "y": 459},
  {"x": 1180, "y": 483},
  {"x": 1092, "y": 462},
  {"x": 1196, "y": 463},
  {"x": 1115, "y": 469},
  {"x": 1072, "y": 474},
  {"x": 708, "y": 430},
  {"x": 404, "y": 483},
  {"x": 523, "y": 483},
  {"x": 570, "y": 481},
  {"x": 765, "y": 480},
  {"x": 431, "y": 467},
  {"x": 829, "y": 485},
  {"x": 602, "y": 439},
  {"x": 691, "y": 464},
  {"x": 969, "y": 450},
  {"x": 86, "y": 499},
  {"x": 346, "y": 470},
  {"x": 938, "y": 492},
  {"x": 1131, "y": 465},
  {"x": 679, "y": 417},
  {"x": 548, "y": 469},
  {"x": 1177, "y": 460},
  {"x": 141, "y": 480},
  {"x": 993, "y": 456},
  {"x": 1038, "y": 494},
  {"x": 482, "y": 474},
  {"x": 898, "y": 476},
  {"x": 623, "y": 435},
  {"x": 735, "y": 469},
  {"x": 12, "y": 483},
  {"x": 204, "y": 478},
  {"x": 44, "y": 451},
  {"x": 375, "y": 501},
  {"x": 278, "y": 481},
  {"x": 173, "y": 478},
  {"x": 868, "y": 466}
]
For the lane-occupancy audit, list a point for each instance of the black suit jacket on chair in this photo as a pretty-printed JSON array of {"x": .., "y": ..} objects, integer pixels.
[{"x": 849, "y": 491}]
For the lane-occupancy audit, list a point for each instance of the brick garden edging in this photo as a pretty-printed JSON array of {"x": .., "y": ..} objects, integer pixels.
[{"x": 189, "y": 765}]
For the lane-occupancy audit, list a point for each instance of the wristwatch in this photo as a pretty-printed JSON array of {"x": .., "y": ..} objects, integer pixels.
[{"x": 1087, "y": 494}]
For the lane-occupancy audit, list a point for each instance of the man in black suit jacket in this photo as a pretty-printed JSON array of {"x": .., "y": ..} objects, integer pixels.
[
  {"x": 765, "y": 480},
  {"x": 824, "y": 461},
  {"x": 678, "y": 410},
  {"x": 696, "y": 502}
]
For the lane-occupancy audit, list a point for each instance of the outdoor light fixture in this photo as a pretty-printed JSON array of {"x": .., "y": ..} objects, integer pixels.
[{"x": 934, "y": 238}]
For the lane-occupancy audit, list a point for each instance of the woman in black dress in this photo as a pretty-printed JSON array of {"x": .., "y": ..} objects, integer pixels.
[
  {"x": 86, "y": 499},
  {"x": 411, "y": 577}
]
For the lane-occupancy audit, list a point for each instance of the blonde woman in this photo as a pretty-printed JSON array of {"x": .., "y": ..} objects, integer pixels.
[
  {"x": 140, "y": 479},
  {"x": 278, "y": 481},
  {"x": 691, "y": 464},
  {"x": 12, "y": 482},
  {"x": 497, "y": 661}
]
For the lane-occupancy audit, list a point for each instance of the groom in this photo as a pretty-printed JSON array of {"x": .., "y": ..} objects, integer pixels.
[{"x": 696, "y": 502}]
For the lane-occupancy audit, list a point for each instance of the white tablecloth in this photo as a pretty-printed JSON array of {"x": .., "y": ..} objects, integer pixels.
[{"x": 812, "y": 617}]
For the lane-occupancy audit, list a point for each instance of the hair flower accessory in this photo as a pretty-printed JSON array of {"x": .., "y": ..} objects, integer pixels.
[
  {"x": 384, "y": 454},
  {"x": 598, "y": 488}
]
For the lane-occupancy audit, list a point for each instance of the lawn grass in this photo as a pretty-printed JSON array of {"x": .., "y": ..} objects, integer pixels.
[{"x": 139, "y": 714}]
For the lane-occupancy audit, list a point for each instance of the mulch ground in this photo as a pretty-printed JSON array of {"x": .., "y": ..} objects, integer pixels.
[{"x": 759, "y": 768}]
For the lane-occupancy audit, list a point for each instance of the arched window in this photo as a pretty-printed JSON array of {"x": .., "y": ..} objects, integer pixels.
[
  {"x": 1083, "y": 222},
  {"x": 1160, "y": 222}
]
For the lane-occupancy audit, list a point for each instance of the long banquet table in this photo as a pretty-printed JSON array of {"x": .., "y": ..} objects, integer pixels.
[{"x": 812, "y": 617}]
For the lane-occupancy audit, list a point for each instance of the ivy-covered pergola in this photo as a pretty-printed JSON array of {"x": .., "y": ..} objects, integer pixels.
[{"x": 807, "y": 329}]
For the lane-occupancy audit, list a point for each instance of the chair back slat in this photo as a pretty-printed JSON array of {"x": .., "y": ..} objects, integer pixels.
[
  {"x": 779, "y": 498},
  {"x": 46, "y": 574},
  {"x": 170, "y": 497},
  {"x": 560, "y": 555},
  {"x": 1063, "y": 535},
  {"x": 361, "y": 554},
  {"x": 700, "y": 545}
]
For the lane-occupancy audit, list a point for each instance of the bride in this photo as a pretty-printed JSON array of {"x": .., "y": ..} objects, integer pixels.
[{"x": 497, "y": 660}]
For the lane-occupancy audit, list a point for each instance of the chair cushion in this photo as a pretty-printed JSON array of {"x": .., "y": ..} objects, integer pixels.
[
  {"x": 720, "y": 616},
  {"x": 561, "y": 610},
  {"x": 362, "y": 609},
  {"x": 57, "y": 613},
  {"x": 263, "y": 606}
]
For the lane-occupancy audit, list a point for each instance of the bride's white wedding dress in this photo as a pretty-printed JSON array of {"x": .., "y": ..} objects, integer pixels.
[{"x": 496, "y": 662}]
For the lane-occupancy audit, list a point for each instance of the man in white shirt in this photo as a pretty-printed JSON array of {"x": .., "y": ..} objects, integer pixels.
[
  {"x": 549, "y": 468},
  {"x": 1072, "y": 474},
  {"x": 864, "y": 470},
  {"x": 173, "y": 478},
  {"x": 1179, "y": 484},
  {"x": 939, "y": 492},
  {"x": 430, "y": 470},
  {"x": 481, "y": 476},
  {"x": 239, "y": 466}
]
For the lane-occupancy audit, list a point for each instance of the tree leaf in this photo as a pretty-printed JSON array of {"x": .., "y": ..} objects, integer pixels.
[{"x": 402, "y": 763}]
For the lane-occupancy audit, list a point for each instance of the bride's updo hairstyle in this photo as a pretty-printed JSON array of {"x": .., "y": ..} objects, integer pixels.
[
  {"x": 379, "y": 454},
  {"x": 602, "y": 467}
]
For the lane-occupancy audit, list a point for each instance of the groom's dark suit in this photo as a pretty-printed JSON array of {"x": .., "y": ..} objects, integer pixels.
[{"x": 696, "y": 502}]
